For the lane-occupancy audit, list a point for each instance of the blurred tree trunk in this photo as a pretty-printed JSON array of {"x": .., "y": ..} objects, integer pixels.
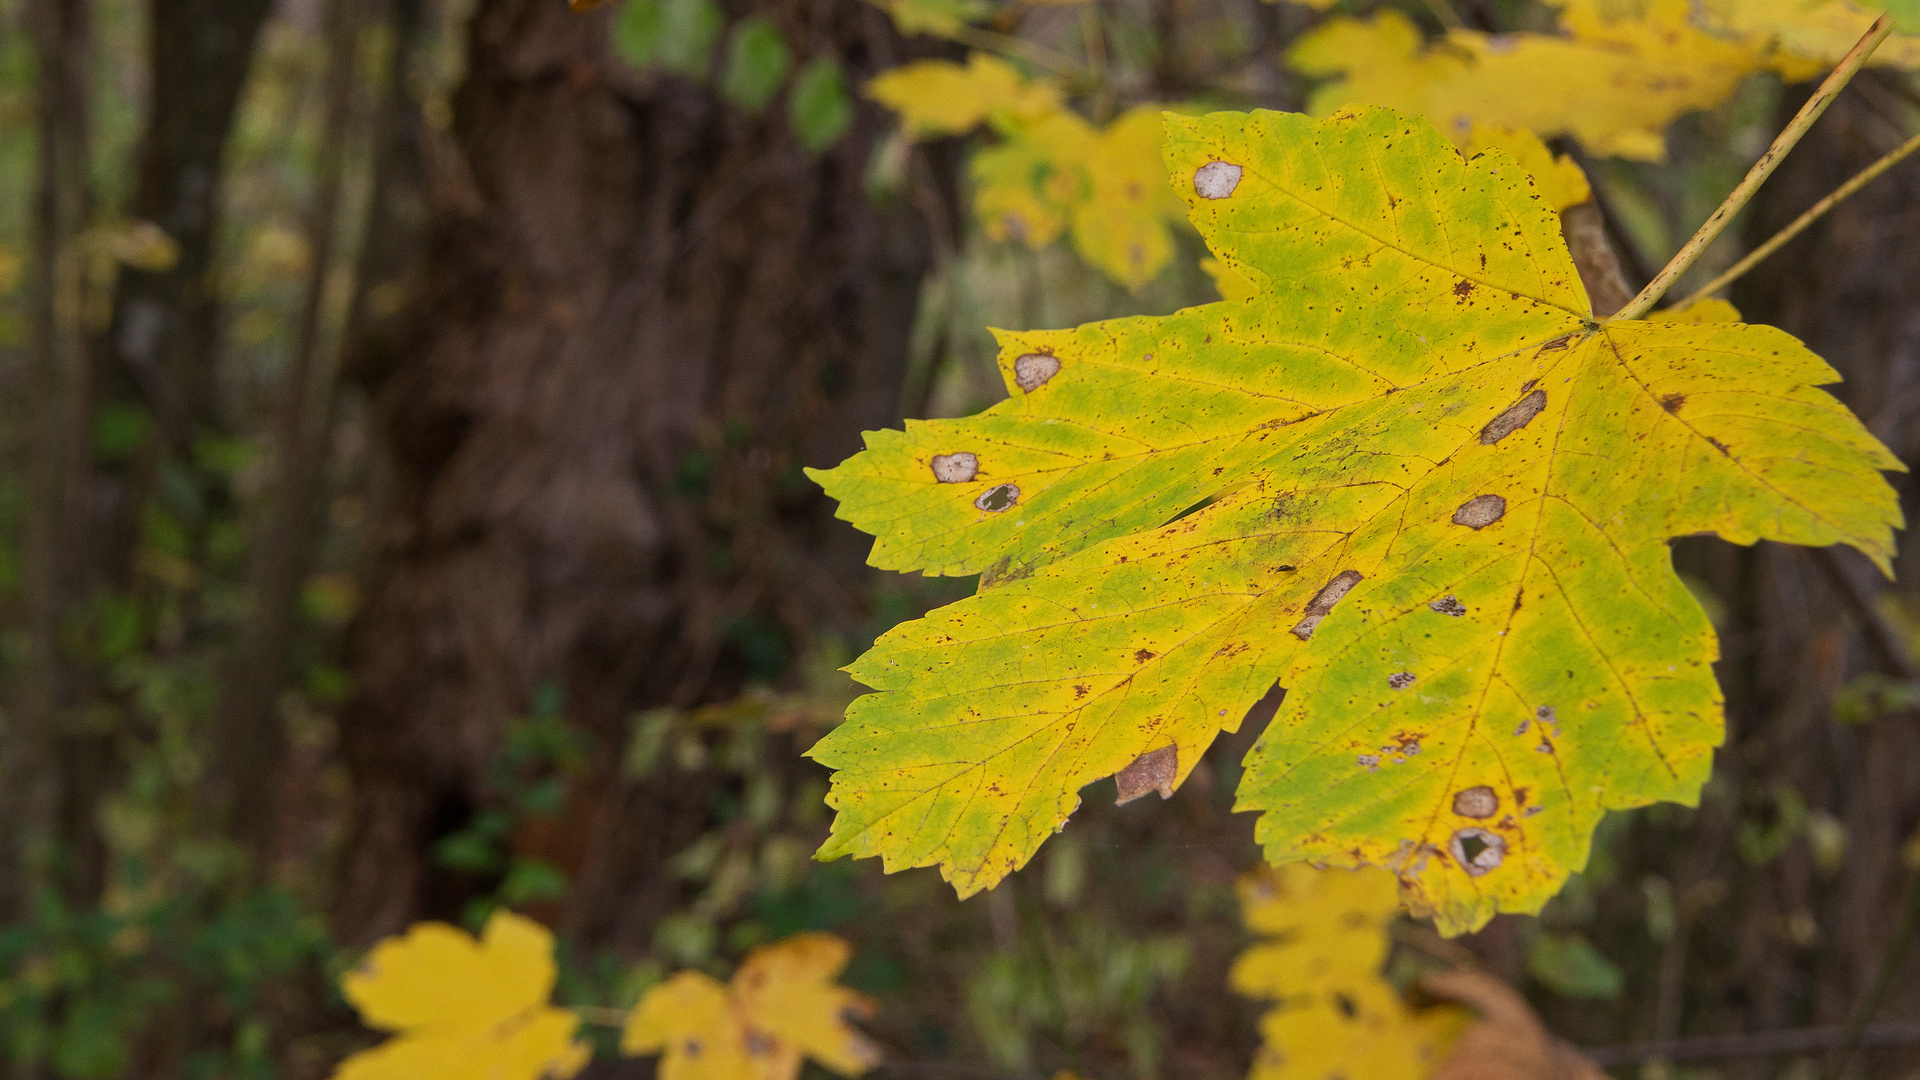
[
  {"x": 643, "y": 311},
  {"x": 163, "y": 337},
  {"x": 37, "y": 801}
]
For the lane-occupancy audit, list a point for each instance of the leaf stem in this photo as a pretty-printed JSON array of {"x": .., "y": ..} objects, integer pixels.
[
  {"x": 1865, "y": 177},
  {"x": 601, "y": 1015},
  {"x": 1817, "y": 104}
]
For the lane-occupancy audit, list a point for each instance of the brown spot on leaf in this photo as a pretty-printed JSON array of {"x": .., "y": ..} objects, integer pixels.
[
  {"x": 1672, "y": 402},
  {"x": 955, "y": 468},
  {"x": 1448, "y": 605},
  {"x": 1462, "y": 289},
  {"x": 1400, "y": 680},
  {"x": 996, "y": 500},
  {"x": 1480, "y": 511},
  {"x": 1516, "y": 416},
  {"x": 1032, "y": 370},
  {"x": 1478, "y": 803},
  {"x": 1323, "y": 602},
  {"x": 1477, "y": 850},
  {"x": 1151, "y": 771},
  {"x": 1143, "y": 655}
]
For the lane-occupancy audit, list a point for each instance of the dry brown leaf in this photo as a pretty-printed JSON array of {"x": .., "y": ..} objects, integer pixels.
[{"x": 1508, "y": 1042}]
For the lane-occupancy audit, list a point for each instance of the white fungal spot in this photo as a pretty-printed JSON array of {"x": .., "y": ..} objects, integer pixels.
[
  {"x": 1447, "y": 605},
  {"x": 1522, "y": 729},
  {"x": 996, "y": 500},
  {"x": 1032, "y": 370},
  {"x": 955, "y": 468},
  {"x": 1400, "y": 680},
  {"x": 1546, "y": 717},
  {"x": 1515, "y": 417},
  {"x": 1476, "y": 802},
  {"x": 1152, "y": 771},
  {"x": 1477, "y": 850},
  {"x": 1216, "y": 179},
  {"x": 1369, "y": 762}
]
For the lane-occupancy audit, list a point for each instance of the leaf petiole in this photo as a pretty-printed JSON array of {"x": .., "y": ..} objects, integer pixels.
[
  {"x": 1860, "y": 180},
  {"x": 1718, "y": 221}
]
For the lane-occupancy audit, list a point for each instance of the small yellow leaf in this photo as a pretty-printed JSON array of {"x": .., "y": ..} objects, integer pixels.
[
  {"x": 692, "y": 1021},
  {"x": 1325, "y": 937},
  {"x": 939, "y": 97},
  {"x": 460, "y": 1007},
  {"x": 781, "y": 1006},
  {"x": 787, "y": 990},
  {"x": 1026, "y": 187},
  {"x": 1121, "y": 227}
]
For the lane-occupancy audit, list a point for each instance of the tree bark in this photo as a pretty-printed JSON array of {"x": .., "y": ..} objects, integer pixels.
[{"x": 643, "y": 312}]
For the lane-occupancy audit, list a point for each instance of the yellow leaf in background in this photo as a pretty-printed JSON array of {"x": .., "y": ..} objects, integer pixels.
[
  {"x": 787, "y": 990},
  {"x": 782, "y": 1006},
  {"x": 1813, "y": 33},
  {"x": 1121, "y": 227},
  {"x": 1613, "y": 83},
  {"x": 1325, "y": 939},
  {"x": 940, "y": 97},
  {"x": 692, "y": 1021},
  {"x": 1024, "y": 189},
  {"x": 463, "y": 1008},
  {"x": 941, "y": 18},
  {"x": 1558, "y": 179},
  {"x": 1232, "y": 286},
  {"x": 9, "y": 270}
]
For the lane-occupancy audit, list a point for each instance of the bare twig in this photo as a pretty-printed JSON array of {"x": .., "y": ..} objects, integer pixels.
[
  {"x": 1865, "y": 177},
  {"x": 1751, "y": 1044},
  {"x": 1890, "y": 965},
  {"x": 1718, "y": 221}
]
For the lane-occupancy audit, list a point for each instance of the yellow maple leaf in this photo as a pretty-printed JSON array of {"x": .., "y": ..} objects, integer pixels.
[
  {"x": 1024, "y": 189},
  {"x": 692, "y": 1022},
  {"x": 463, "y": 1008},
  {"x": 1121, "y": 227},
  {"x": 1231, "y": 286},
  {"x": 781, "y": 1006},
  {"x": 1324, "y": 938},
  {"x": 1613, "y": 83},
  {"x": 787, "y": 990},
  {"x": 1810, "y": 34},
  {"x": 940, "y": 97}
]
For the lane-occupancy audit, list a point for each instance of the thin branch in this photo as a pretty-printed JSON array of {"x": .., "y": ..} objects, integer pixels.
[
  {"x": 1800, "y": 223},
  {"x": 1754, "y": 1044},
  {"x": 1890, "y": 964},
  {"x": 1756, "y": 176},
  {"x": 1020, "y": 48}
]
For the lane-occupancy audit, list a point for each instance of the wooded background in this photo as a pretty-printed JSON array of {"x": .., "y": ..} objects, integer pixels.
[{"x": 402, "y": 409}]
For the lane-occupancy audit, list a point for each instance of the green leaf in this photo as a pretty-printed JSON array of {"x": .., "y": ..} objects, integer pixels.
[
  {"x": 689, "y": 31},
  {"x": 757, "y": 63},
  {"x": 1570, "y": 966},
  {"x": 1434, "y": 498},
  {"x": 637, "y": 32},
  {"x": 819, "y": 107}
]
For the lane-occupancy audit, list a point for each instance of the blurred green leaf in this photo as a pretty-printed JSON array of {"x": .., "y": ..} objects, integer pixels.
[
  {"x": 819, "y": 106},
  {"x": 530, "y": 880},
  {"x": 689, "y": 30},
  {"x": 1570, "y": 966},
  {"x": 757, "y": 63},
  {"x": 637, "y": 32}
]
